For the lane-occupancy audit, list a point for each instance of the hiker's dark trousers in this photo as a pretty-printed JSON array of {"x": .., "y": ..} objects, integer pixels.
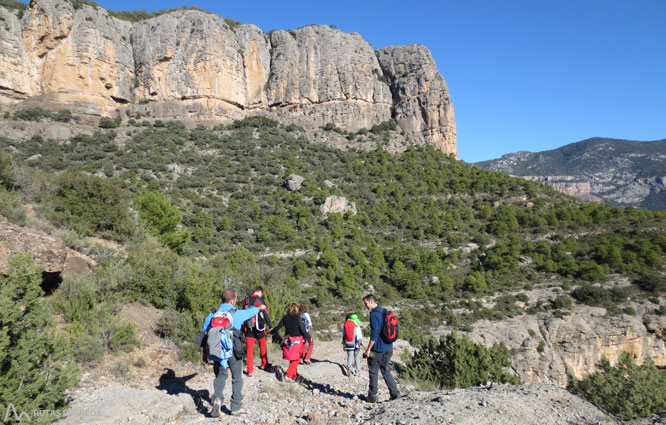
[
  {"x": 377, "y": 362},
  {"x": 236, "y": 368}
]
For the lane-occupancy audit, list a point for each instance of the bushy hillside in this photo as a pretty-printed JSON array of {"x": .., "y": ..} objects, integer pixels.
[
  {"x": 207, "y": 208},
  {"x": 427, "y": 226}
]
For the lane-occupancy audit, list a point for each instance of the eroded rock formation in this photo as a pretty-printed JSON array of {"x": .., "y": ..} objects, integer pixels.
[{"x": 193, "y": 64}]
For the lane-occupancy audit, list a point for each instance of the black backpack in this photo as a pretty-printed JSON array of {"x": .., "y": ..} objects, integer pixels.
[
  {"x": 389, "y": 331},
  {"x": 257, "y": 322}
]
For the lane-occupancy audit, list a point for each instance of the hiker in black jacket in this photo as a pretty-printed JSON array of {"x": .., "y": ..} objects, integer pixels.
[
  {"x": 291, "y": 343},
  {"x": 255, "y": 330}
]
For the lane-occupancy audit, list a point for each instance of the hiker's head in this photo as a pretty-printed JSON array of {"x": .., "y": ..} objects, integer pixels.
[
  {"x": 354, "y": 318},
  {"x": 348, "y": 316},
  {"x": 258, "y": 291},
  {"x": 370, "y": 301},
  {"x": 303, "y": 308},
  {"x": 229, "y": 296},
  {"x": 293, "y": 308}
]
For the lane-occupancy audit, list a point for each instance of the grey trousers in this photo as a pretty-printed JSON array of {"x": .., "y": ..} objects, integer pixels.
[
  {"x": 354, "y": 357},
  {"x": 236, "y": 367},
  {"x": 377, "y": 362}
]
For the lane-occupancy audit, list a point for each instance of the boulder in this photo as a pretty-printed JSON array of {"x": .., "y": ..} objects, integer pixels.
[
  {"x": 337, "y": 204},
  {"x": 294, "y": 182}
]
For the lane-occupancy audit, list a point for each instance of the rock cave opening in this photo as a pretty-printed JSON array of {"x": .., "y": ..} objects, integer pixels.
[{"x": 50, "y": 282}]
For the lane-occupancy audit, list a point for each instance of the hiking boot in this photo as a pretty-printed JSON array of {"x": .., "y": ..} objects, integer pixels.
[
  {"x": 345, "y": 370},
  {"x": 300, "y": 379},
  {"x": 266, "y": 368},
  {"x": 307, "y": 361},
  {"x": 279, "y": 373},
  {"x": 237, "y": 412},
  {"x": 215, "y": 410},
  {"x": 289, "y": 380},
  {"x": 395, "y": 396},
  {"x": 371, "y": 398}
]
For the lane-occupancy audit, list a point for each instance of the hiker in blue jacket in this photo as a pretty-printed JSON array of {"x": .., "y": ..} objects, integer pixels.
[
  {"x": 229, "y": 299},
  {"x": 382, "y": 352}
]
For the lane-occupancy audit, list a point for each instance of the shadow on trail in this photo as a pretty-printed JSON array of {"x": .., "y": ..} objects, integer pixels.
[
  {"x": 175, "y": 385},
  {"x": 326, "y": 388},
  {"x": 342, "y": 367}
]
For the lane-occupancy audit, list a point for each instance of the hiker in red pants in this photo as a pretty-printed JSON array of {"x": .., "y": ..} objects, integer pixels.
[
  {"x": 291, "y": 343},
  {"x": 255, "y": 330},
  {"x": 306, "y": 353}
]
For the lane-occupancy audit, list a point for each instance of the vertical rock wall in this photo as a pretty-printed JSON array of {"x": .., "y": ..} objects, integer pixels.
[{"x": 193, "y": 64}]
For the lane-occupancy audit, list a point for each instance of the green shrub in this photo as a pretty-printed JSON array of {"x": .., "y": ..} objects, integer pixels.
[
  {"x": 591, "y": 295},
  {"x": 11, "y": 206},
  {"x": 652, "y": 281},
  {"x": 106, "y": 122},
  {"x": 90, "y": 205},
  {"x": 32, "y": 114},
  {"x": 162, "y": 219},
  {"x": 168, "y": 323},
  {"x": 34, "y": 359},
  {"x": 457, "y": 362},
  {"x": 626, "y": 390},
  {"x": 384, "y": 127},
  {"x": 6, "y": 178}
]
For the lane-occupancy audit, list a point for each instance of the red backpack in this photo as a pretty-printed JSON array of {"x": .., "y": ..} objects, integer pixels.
[
  {"x": 389, "y": 331},
  {"x": 349, "y": 335}
]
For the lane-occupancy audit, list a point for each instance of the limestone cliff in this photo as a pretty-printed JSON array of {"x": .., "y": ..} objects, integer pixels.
[
  {"x": 544, "y": 348},
  {"x": 193, "y": 64}
]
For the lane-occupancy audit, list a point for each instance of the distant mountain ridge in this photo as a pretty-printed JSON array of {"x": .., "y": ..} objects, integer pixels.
[{"x": 615, "y": 171}]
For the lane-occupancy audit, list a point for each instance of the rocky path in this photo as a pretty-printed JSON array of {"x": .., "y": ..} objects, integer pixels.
[{"x": 181, "y": 396}]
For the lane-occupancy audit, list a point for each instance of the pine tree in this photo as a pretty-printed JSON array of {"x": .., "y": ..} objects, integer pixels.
[{"x": 34, "y": 366}]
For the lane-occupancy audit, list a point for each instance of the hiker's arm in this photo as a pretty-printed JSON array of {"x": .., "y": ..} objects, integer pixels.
[
  {"x": 267, "y": 318},
  {"x": 367, "y": 350},
  {"x": 279, "y": 326},
  {"x": 375, "y": 326},
  {"x": 242, "y": 315},
  {"x": 207, "y": 322}
]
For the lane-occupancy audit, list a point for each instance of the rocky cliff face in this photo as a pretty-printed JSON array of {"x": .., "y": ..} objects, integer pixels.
[
  {"x": 49, "y": 252},
  {"x": 192, "y": 64},
  {"x": 545, "y": 348}
]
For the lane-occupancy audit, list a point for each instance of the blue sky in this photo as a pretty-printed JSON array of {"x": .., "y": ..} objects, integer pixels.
[{"x": 523, "y": 74}]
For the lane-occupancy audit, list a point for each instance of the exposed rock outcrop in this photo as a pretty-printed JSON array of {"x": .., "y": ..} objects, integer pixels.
[
  {"x": 545, "y": 348},
  {"x": 49, "y": 252},
  {"x": 193, "y": 64},
  {"x": 337, "y": 204},
  {"x": 422, "y": 101},
  {"x": 294, "y": 182}
]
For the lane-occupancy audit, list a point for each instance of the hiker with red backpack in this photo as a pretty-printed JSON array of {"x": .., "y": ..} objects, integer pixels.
[
  {"x": 291, "y": 343},
  {"x": 352, "y": 341},
  {"x": 255, "y": 331},
  {"x": 219, "y": 327},
  {"x": 383, "y": 331}
]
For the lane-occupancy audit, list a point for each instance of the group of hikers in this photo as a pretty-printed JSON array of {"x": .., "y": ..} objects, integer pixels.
[{"x": 224, "y": 330}]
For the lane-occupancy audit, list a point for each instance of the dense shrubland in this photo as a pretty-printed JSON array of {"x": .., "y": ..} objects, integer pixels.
[
  {"x": 204, "y": 209},
  {"x": 626, "y": 389}
]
